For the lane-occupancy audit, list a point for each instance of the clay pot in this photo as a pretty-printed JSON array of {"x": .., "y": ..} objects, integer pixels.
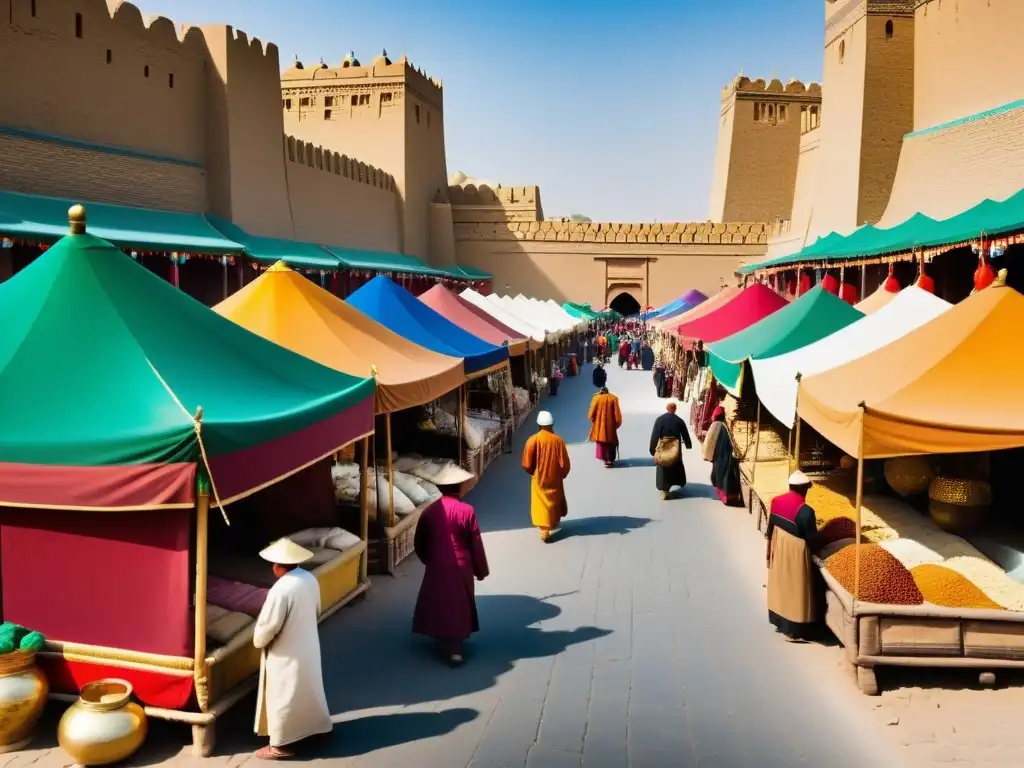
[
  {"x": 104, "y": 725},
  {"x": 23, "y": 692}
]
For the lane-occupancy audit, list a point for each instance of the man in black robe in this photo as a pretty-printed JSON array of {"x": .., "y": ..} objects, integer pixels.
[{"x": 670, "y": 426}]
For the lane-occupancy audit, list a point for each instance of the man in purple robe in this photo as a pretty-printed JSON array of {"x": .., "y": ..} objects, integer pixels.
[{"x": 449, "y": 544}]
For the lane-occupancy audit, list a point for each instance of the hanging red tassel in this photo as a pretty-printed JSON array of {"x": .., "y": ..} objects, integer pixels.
[
  {"x": 892, "y": 285},
  {"x": 924, "y": 282},
  {"x": 984, "y": 275},
  {"x": 848, "y": 293},
  {"x": 829, "y": 284},
  {"x": 805, "y": 283}
]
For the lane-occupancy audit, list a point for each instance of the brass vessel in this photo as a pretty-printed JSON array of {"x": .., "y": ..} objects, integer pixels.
[
  {"x": 104, "y": 725},
  {"x": 23, "y": 692},
  {"x": 957, "y": 505}
]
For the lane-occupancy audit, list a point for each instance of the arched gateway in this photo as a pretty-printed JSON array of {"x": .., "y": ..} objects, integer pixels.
[{"x": 625, "y": 304}]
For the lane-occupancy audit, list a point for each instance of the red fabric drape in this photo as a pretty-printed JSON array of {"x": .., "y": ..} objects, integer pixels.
[
  {"x": 830, "y": 284},
  {"x": 848, "y": 293}
]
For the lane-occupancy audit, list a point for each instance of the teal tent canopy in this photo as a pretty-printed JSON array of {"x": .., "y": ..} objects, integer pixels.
[{"x": 813, "y": 316}]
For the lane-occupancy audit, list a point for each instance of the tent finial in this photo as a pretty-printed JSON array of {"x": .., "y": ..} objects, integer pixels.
[{"x": 76, "y": 219}]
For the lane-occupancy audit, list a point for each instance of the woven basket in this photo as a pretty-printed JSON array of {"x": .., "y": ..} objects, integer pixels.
[{"x": 15, "y": 662}]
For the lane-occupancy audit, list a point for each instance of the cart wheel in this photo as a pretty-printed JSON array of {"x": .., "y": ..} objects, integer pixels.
[
  {"x": 987, "y": 678},
  {"x": 203, "y": 739},
  {"x": 867, "y": 681}
]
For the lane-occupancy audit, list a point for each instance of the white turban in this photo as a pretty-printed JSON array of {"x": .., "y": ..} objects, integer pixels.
[{"x": 545, "y": 419}]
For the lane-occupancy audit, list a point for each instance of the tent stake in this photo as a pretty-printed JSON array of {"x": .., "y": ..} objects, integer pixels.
[
  {"x": 202, "y": 563},
  {"x": 391, "y": 474}
]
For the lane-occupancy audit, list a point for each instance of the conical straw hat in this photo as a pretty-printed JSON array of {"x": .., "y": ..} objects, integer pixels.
[{"x": 286, "y": 552}]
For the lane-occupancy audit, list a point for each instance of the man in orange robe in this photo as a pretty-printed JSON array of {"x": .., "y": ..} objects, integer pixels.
[
  {"x": 546, "y": 460},
  {"x": 605, "y": 417}
]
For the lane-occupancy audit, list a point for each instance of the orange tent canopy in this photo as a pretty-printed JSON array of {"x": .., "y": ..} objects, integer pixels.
[
  {"x": 705, "y": 307},
  {"x": 284, "y": 307},
  {"x": 454, "y": 308},
  {"x": 951, "y": 386}
]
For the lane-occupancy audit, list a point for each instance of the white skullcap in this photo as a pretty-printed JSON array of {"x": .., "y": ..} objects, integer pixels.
[
  {"x": 545, "y": 419},
  {"x": 799, "y": 478}
]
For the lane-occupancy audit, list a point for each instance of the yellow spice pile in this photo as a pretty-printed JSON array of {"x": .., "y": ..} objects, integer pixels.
[{"x": 943, "y": 586}]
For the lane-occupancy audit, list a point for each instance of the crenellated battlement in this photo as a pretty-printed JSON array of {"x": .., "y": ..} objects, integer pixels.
[
  {"x": 351, "y": 74},
  {"x": 484, "y": 194},
  {"x": 743, "y": 233},
  {"x": 795, "y": 90},
  {"x": 313, "y": 156}
]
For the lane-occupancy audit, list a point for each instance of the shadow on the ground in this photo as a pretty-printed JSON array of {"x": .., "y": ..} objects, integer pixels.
[
  {"x": 362, "y": 735},
  {"x": 695, "y": 491},
  {"x": 635, "y": 461},
  {"x": 599, "y": 526}
]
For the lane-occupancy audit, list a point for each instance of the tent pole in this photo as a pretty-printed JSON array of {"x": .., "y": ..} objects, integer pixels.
[
  {"x": 364, "y": 510},
  {"x": 202, "y": 562},
  {"x": 391, "y": 474},
  {"x": 757, "y": 441},
  {"x": 796, "y": 450},
  {"x": 860, "y": 500}
]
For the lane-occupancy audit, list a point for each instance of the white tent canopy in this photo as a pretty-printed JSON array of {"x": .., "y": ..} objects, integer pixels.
[
  {"x": 535, "y": 308},
  {"x": 527, "y": 313},
  {"x": 574, "y": 322},
  {"x": 498, "y": 312},
  {"x": 775, "y": 377}
]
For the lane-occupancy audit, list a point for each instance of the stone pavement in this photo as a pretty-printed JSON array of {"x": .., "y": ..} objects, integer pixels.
[{"x": 637, "y": 637}]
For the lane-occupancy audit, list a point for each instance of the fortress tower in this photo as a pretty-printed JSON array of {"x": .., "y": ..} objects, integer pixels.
[
  {"x": 758, "y": 148},
  {"x": 389, "y": 115},
  {"x": 869, "y": 76}
]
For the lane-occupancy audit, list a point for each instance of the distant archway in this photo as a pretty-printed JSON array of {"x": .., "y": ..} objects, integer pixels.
[{"x": 625, "y": 304}]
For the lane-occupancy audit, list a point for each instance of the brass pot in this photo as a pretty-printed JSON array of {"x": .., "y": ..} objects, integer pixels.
[
  {"x": 104, "y": 725},
  {"x": 23, "y": 692},
  {"x": 957, "y": 505}
]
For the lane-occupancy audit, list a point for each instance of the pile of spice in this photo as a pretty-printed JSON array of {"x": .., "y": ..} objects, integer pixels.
[
  {"x": 883, "y": 579},
  {"x": 944, "y": 586}
]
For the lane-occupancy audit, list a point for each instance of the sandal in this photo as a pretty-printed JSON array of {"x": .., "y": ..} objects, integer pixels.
[{"x": 271, "y": 753}]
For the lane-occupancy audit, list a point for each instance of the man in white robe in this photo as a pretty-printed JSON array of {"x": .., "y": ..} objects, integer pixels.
[{"x": 291, "y": 703}]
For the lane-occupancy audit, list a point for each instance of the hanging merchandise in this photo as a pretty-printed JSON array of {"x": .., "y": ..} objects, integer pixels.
[
  {"x": 924, "y": 281},
  {"x": 805, "y": 283},
  {"x": 984, "y": 275},
  {"x": 847, "y": 291},
  {"x": 829, "y": 284},
  {"x": 892, "y": 285}
]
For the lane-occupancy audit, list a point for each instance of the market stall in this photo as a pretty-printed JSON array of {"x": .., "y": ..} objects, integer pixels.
[
  {"x": 905, "y": 587},
  {"x": 131, "y": 411},
  {"x": 468, "y": 317},
  {"x": 537, "y": 335},
  {"x": 477, "y": 432},
  {"x": 286, "y": 308}
]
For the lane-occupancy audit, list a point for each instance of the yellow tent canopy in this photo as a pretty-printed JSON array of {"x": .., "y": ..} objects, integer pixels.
[
  {"x": 284, "y": 307},
  {"x": 951, "y": 386}
]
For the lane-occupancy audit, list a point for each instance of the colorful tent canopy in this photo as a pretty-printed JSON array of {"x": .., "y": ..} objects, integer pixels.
[
  {"x": 284, "y": 307},
  {"x": 950, "y": 386},
  {"x": 466, "y": 272},
  {"x": 880, "y": 298},
  {"x": 508, "y": 319},
  {"x": 524, "y": 315},
  {"x": 918, "y": 231},
  {"x": 815, "y": 314},
  {"x": 380, "y": 261},
  {"x": 469, "y": 318},
  {"x": 704, "y": 308},
  {"x": 775, "y": 377},
  {"x": 270, "y": 250},
  {"x": 744, "y": 309},
  {"x": 556, "y": 311},
  {"x": 556, "y": 321},
  {"x": 394, "y": 307},
  {"x": 686, "y": 302},
  {"x": 104, "y": 367},
  {"x": 35, "y": 217}
]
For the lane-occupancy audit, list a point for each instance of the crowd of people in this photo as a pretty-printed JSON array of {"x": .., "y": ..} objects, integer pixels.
[{"x": 292, "y": 704}]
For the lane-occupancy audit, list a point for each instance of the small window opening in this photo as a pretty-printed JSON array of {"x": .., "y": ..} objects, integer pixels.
[
  {"x": 889, "y": 30},
  {"x": 385, "y": 97},
  {"x": 78, "y": 25},
  {"x": 33, "y": 7},
  {"x": 842, "y": 50},
  {"x": 782, "y": 112},
  {"x": 287, "y": 103},
  {"x": 417, "y": 106},
  {"x": 327, "y": 114},
  {"x": 170, "y": 80},
  {"x": 110, "y": 56},
  {"x": 328, "y": 101},
  {"x": 145, "y": 71},
  {"x": 364, "y": 99},
  {"x": 355, "y": 100},
  {"x": 304, "y": 101}
]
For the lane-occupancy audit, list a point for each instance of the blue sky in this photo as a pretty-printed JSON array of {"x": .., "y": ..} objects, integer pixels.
[{"x": 610, "y": 107}]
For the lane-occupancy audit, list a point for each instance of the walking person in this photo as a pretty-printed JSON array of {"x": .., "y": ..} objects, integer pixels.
[
  {"x": 725, "y": 466},
  {"x": 600, "y": 375},
  {"x": 449, "y": 544},
  {"x": 793, "y": 592},
  {"x": 291, "y": 704},
  {"x": 546, "y": 460},
  {"x": 667, "y": 440},
  {"x": 605, "y": 417}
]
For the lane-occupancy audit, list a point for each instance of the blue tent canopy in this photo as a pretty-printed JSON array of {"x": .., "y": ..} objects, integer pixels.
[
  {"x": 674, "y": 311},
  {"x": 392, "y": 306}
]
